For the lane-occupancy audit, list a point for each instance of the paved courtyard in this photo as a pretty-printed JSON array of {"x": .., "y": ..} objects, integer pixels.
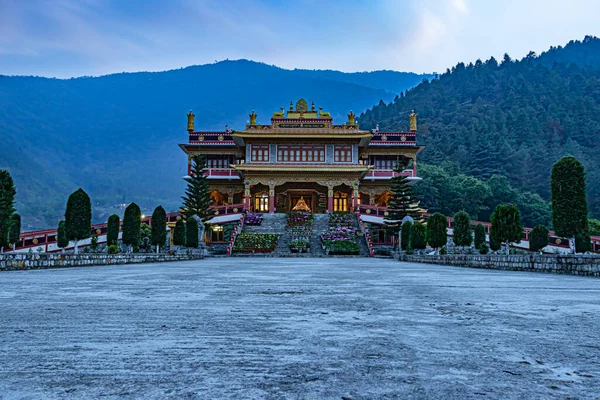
[{"x": 298, "y": 329}]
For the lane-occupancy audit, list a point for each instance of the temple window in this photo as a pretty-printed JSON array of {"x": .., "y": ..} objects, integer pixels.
[
  {"x": 340, "y": 201},
  {"x": 260, "y": 153},
  {"x": 300, "y": 153},
  {"x": 261, "y": 202},
  {"x": 342, "y": 154},
  {"x": 383, "y": 162},
  {"x": 219, "y": 162}
]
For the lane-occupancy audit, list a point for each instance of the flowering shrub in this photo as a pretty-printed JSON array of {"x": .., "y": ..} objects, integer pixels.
[
  {"x": 343, "y": 233},
  {"x": 253, "y": 218},
  {"x": 341, "y": 247},
  {"x": 341, "y": 236},
  {"x": 299, "y": 245},
  {"x": 256, "y": 242},
  {"x": 341, "y": 219},
  {"x": 300, "y": 218}
]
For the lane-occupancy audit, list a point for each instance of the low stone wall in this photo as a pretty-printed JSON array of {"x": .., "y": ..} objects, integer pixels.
[
  {"x": 586, "y": 265},
  {"x": 11, "y": 262}
]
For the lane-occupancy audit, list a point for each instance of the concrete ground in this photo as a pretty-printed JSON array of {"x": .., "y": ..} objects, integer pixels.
[{"x": 344, "y": 328}]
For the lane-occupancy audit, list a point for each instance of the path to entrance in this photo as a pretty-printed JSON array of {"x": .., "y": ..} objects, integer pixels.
[{"x": 298, "y": 329}]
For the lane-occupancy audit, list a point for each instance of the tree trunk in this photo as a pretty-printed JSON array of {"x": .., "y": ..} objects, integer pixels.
[
  {"x": 572, "y": 246},
  {"x": 76, "y": 247},
  {"x": 157, "y": 249},
  {"x": 507, "y": 248}
]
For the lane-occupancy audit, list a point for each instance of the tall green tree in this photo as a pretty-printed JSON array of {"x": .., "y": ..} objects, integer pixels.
[
  {"x": 14, "y": 233},
  {"x": 405, "y": 235},
  {"x": 7, "y": 206},
  {"x": 461, "y": 233},
  {"x": 196, "y": 200},
  {"x": 569, "y": 202},
  {"x": 179, "y": 233},
  {"x": 495, "y": 244},
  {"x": 437, "y": 234},
  {"x": 191, "y": 233},
  {"x": 159, "y": 228},
  {"x": 78, "y": 217},
  {"x": 539, "y": 238},
  {"x": 132, "y": 221},
  {"x": 402, "y": 199},
  {"x": 506, "y": 224},
  {"x": 479, "y": 235},
  {"x": 417, "y": 236},
  {"x": 61, "y": 236},
  {"x": 112, "y": 230}
]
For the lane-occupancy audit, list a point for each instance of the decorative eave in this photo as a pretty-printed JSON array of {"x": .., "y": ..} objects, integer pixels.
[
  {"x": 239, "y": 137},
  {"x": 274, "y": 167}
]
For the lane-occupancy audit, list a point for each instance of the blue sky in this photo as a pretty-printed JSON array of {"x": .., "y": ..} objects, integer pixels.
[{"x": 64, "y": 38}]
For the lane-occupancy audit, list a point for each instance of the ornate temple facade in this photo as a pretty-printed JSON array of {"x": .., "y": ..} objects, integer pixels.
[{"x": 302, "y": 159}]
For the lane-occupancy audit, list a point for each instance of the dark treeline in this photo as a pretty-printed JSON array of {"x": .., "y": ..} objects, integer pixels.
[{"x": 513, "y": 118}]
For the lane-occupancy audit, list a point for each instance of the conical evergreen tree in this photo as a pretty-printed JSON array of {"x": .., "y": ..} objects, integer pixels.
[
  {"x": 538, "y": 238},
  {"x": 179, "y": 234},
  {"x": 402, "y": 202},
  {"x": 417, "y": 236},
  {"x": 14, "y": 233},
  {"x": 405, "y": 235},
  {"x": 479, "y": 235},
  {"x": 191, "y": 233},
  {"x": 7, "y": 208},
  {"x": 506, "y": 224},
  {"x": 462, "y": 234},
  {"x": 197, "y": 194},
  {"x": 159, "y": 228},
  {"x": 569, "y": 203},
  {"x": 61, "y": 236},
  {"x": 132, "y": 225},
  {"x": 112, "y": 230},
  {"x": 437, "y": 234},
  {"x": 78, "y": 217}
]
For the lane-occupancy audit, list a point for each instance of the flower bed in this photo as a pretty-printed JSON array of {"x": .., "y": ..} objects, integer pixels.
[
  {"x": 256, "y": 242},
  {"x": 300, "y": 218},
  {"x": 254, "y": 218},
  {"x": 339, "y": 219},
  {"x": 299, "y": 246},
  {"x": 340, "y": 239},
  {"x": 341, "y": 247}
]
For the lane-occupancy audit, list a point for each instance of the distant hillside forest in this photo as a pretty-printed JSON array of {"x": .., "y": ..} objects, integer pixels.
[
  {"x": 513, "y": 118},
  {"x": 116, "y": 136}
]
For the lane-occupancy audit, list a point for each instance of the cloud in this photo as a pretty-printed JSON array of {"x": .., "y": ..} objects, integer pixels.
[{"x": 90, "y": 37}]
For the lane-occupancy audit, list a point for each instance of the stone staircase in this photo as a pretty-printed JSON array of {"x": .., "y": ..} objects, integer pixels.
[
  {"x": 361, "y": 241},
  {"x": 320, "y": 225},
  {"x": 272, "y": 223}
]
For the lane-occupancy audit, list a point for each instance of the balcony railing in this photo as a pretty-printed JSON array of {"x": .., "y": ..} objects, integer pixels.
[
  {"x": 388, "y": 174},
  {"x": 221, "y": 173}
]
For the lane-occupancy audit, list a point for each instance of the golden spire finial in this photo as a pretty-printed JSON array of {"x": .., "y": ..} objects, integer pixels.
[
  {"x": 252, "y": 118},
  {"x": 351, "y": 118},
  {"x": 312, "y": 106},
  {"x": 291, "y": 105},
  {"x": 191, "y": 116},
  {"x": 413, "y": 121}
]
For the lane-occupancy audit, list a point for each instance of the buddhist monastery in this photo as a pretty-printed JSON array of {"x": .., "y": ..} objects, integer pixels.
[{"x": 302, "y": 157}]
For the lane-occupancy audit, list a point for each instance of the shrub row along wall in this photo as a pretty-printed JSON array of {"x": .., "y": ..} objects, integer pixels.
[
  {"x": 586, "y": 265},
  {"x": 11, "y": 262}
]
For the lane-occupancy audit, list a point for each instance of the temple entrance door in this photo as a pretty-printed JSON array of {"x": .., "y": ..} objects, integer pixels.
[
  {"x": 340, "y": 201},
  {"x": 261, "y": 202}
]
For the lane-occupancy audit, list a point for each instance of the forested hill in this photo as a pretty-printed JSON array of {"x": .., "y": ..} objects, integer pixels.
[
  {"x": 514, "y": 117},
  {"x": 116, "y": 136}
]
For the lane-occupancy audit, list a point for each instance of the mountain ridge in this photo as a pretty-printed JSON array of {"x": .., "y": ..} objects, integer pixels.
[{"x": 116, "y": 135}]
